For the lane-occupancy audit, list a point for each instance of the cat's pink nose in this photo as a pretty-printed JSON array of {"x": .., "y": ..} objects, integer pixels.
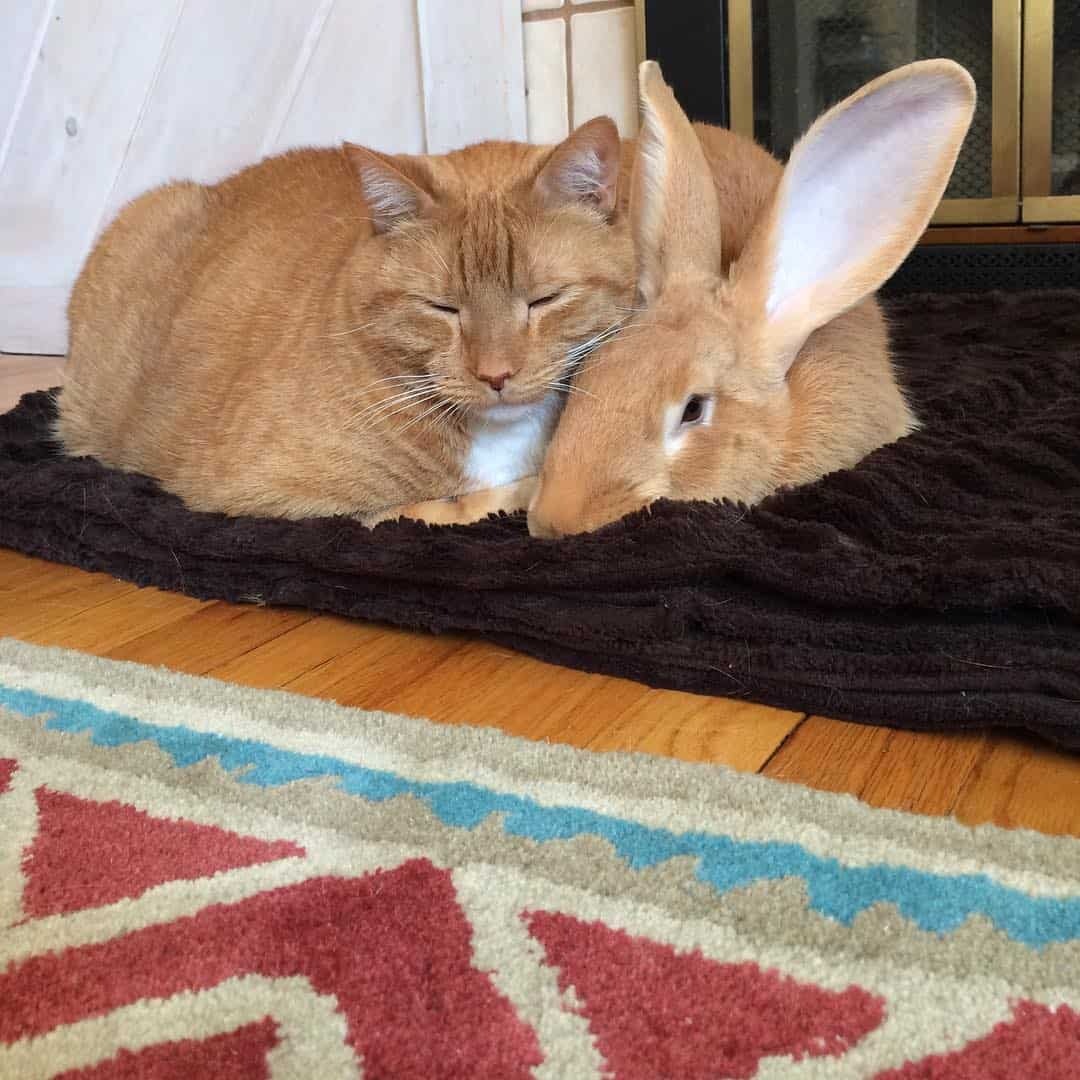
[{"x": 496, "y": 382}]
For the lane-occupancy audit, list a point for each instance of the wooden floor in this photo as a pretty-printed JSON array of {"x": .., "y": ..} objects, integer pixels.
[{"x": 457, "y": 680}]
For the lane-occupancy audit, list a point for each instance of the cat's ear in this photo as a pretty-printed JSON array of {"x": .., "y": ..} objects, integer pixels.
[
  {"x": 392, "y": 196},
  {"x": 583, "y": 168}
]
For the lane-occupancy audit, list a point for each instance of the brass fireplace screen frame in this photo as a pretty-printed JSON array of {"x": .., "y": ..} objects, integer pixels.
[{"x": 1021, "y": 112}]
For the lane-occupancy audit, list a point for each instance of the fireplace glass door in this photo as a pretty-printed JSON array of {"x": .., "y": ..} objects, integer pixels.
[
  {"x": 1051, "y": 124},
  {"x": 791, "y": 59}
]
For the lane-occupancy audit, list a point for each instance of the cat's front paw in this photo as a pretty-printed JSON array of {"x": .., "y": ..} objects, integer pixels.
[{"x": 462, "y": 509}]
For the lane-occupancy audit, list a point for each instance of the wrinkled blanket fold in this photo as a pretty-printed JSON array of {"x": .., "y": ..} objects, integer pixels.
[{"x": 935, "y": 586}]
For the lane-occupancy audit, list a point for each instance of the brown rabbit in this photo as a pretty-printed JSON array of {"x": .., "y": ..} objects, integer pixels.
[
  {"x": 341, "y": 331},
  {"x": 761, "y": 358}
]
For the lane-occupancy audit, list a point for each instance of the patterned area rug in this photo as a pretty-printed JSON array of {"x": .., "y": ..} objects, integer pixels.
[{"x": 200, "y": 880}]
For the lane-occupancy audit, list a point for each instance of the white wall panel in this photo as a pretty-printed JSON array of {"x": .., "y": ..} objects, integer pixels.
[
  {"x": 363, "y": 83},
  {"x": 474, "y": 71},
  {"x": 231, "y": 68},
  {"x": 81, "y": 104},
  {"x": 22, "y": 32}
]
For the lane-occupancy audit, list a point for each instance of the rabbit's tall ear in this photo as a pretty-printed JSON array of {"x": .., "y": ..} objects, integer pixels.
[
  {"x": 673, "y": 205},
  {"x": 858, "y": 190}
]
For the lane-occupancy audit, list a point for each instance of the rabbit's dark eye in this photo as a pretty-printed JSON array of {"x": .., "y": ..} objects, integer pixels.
[{"x": 694, "y": 409}]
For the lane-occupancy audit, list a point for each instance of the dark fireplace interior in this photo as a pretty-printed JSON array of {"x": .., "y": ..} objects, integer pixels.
[{"x": 805, "y": 55}]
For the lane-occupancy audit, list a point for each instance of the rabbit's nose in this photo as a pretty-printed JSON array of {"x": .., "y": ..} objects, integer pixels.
[
  {"x": 562, "y": 505},
  {"x": 543, "y": 530},
  {"x": 549, "y": 520}
]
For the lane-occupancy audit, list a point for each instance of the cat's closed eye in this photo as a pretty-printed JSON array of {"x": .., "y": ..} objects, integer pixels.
[
  {"x": 447, "y": 309},
  {"x": 545, "y": 298}
]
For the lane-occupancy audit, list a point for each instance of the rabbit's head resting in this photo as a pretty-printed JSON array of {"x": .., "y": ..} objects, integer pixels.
[{"x": 777, "y": 372}]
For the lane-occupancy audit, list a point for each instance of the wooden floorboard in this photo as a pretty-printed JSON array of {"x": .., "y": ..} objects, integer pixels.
[
  {"x": 459, "y": 680},
  {"x": 1020, "y": 782},
  {"x": 978, "y": 777},
  {"x": 21, "y": 374},
  {"x": 904, "y": 770}
]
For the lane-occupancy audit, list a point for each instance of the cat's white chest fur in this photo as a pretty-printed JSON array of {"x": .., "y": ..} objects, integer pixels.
[{"x": 507, "y": 442}]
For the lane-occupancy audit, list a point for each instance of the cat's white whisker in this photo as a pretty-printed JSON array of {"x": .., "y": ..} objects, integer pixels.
[
  {"x": 392, "y": 399},
  {"x": 400, "y": 398},
  {"x": 577, "y": 352},
  {"x": 596, "y": 362},
  {"x": 428, "y": 244},
  {"x": 353, "y": 330},
  {"x": 427, "y": 412},
  {"x": 396, "y": 403},
  {"x": 445, "y": 419},
  {"x": 400, "y": 379},
  {"x": 570, "y": 388},
  {"x": 384, "y": 417}
]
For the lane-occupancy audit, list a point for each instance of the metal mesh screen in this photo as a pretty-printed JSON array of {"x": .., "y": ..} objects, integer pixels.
[
  {"x": 964, "y": 32},
  {"x": 979, "y": 267},
  {"x": 1065, "y": 140},
  {"x": 809, "y": 54}
]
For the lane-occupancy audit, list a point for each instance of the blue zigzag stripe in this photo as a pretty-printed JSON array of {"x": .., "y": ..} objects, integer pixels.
[{"x": 934, "y": 902}]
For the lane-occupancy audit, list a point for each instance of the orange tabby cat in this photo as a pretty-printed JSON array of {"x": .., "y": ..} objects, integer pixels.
[{"x": 345, "y": 332}]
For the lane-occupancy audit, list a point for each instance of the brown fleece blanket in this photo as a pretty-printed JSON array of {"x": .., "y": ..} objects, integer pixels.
[{"x": 935, "y": 586}]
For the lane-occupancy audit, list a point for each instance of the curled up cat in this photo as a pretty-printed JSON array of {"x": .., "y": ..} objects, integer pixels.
[{"x": 340, "y": 331}]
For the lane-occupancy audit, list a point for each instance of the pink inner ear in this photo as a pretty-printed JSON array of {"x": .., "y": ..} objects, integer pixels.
[
  {"x": 583, "y": 175},
  {"x": 861, "y": 184},
  {"x": 585, "y": 168},
  {"x": 388, "y": 197}
]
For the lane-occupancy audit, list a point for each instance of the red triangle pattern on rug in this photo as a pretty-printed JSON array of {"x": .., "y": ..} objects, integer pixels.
[
  {"x": 393, "y": 948},
  {"x": 1037, "y": 1042},
  {"x": 7, "y": 771},
  {"x": 239, "y": 1053},
  {"x": 658, "y": 1012},
  {"x": 89, "y": 853}
]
